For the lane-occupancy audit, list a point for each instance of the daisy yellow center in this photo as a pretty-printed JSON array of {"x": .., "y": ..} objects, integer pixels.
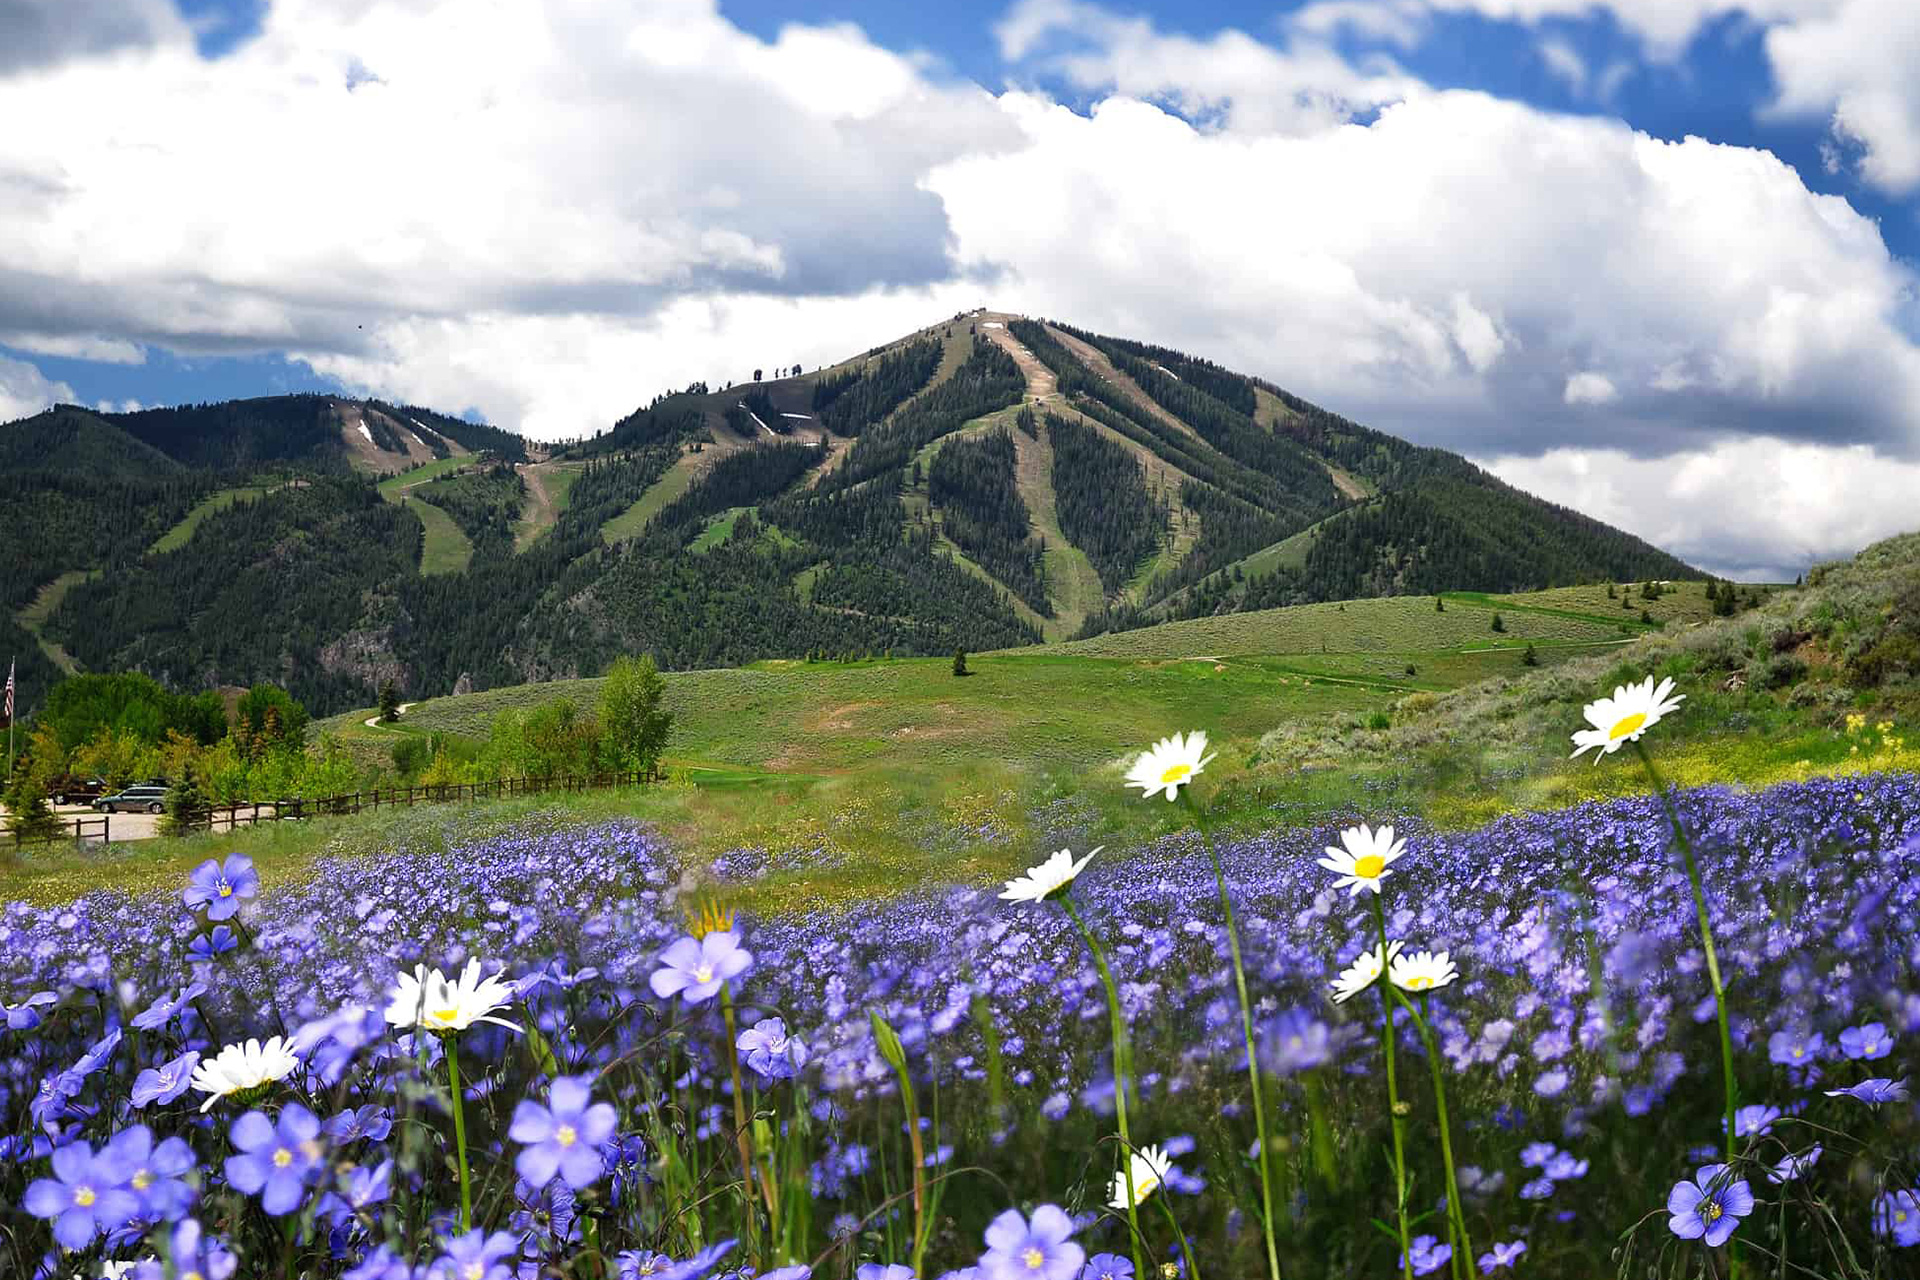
[
  {"x": 142, "y": 1180},
  {"x": 445, "y": 1015},
  {"x": 703, "y": 973},
  {"x": 1033, "y": 1258},
  {"x": 565, "y": 1135},
  {"x": 1420, "y": 983},
  {"x": 1710, "y": 1210},
  {"x": 1176, "y": 773},
  {"x": 1626, "y": 725},
  {"x": 83, "y": 1196},
  {"x": 1369, "y": 867},
  {"x": 282, "y": 1158}
]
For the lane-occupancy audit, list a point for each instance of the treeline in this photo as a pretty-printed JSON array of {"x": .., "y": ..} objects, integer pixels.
[
  {"x": 1306, "y": 491},
  {"x": 1104, "y": 506},
  {"x": 951, "y": 607},
  {"x": 477, "y": 437},
  {"x": 1227, "y": 387},
  {"x": 971, "y": 482},
  {"x": 1451, "y": 536},
  {"x": 238, "y": 434},
  {"x": 737, "y": 480},
  {"x": 485, "y": 504},
  {"x": 262, "y": 589},
  {"x": 1108, "y": 405},
  {"x": 848, "y": 408},
  {"x": 986, "y": 381}
]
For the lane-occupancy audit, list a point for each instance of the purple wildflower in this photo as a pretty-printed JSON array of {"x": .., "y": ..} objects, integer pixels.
[
  {"x": 1896, "y": 1214},
  {"x": 563, "y": 1137},
  {"x": 155, "y": 1173},
  {"x": 696, "y": 970},
  {"x": 1709, "y": 1207},
  {"x": 1427, "y": 1255},
  {"x": 1875, "y": 1091},
  {"x": 1108, "y": 1266},
  {"x": 1501, "y": 1257},
  {"x": 1040, "y": 1248},
  {"x": 1866, "y": 1042},
  {"x": 770, "y": 1052},
  {"x": 476, "y": 1256},
  {"x": 88, "y": 1194},
  {"x": 276, "y": 1161},
  {"x": 165, "y": 1082},
  {"x": 220, "y": 887}
]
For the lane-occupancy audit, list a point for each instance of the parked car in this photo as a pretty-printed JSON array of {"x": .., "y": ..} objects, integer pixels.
[
  {"x": 71, "y": 789},
  {"x": 143, "y": 798}
]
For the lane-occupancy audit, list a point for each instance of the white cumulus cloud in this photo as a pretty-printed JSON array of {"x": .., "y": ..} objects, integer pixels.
[{"x": 25, "y": 391}]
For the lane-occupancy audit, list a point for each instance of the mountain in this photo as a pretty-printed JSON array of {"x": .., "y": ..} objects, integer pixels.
[{"x": 990, "y": 480}]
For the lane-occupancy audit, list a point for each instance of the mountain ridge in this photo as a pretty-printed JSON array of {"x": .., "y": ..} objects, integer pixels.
[{"x": 988, "y": 480}]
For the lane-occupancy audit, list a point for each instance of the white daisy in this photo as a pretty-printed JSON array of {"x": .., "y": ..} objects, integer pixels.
[
  {"x": 1150, "y": 1168},
  {"x": 1169, "y": 764},
  {"x": 239, "y": 1067},
  {"x": 1364, "y": 862},
  {"x": 428, "y": 999},
  {"x": 1047, "y": 879},
  {"x": 1362, "y": 973},
  {"x": 1422, "y": 971},
  {"x": 1631, "y": 711}
]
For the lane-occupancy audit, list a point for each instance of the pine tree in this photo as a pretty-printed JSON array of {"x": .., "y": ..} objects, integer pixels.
[
  {"x": 1531, "y": 658},
  {"x": 29, "y": 817},
  {"x": 389, "y": 703},
  {"x": 186, "y": 806},
  {"x": 1498, "y": 623},
  {"x": 960, "y": 662}
]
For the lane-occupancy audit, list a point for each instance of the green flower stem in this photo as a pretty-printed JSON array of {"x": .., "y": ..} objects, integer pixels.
[
  {"x": 1246, "y": 1027},
  {"x": 1320, "y": 1132},
  {"x": 743, "y": 1140},
  {"x": 1396, "y": 1121},
  {"x": 452, "y": 1047},
  {"x": 1706, "y": 939},
  {"x": 1455, "y": 1208},
  {"x": 1120, "y": 1073}
]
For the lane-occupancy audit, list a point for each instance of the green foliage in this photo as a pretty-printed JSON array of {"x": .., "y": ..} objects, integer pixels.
[
  {"x": 483, "y": 503},
  {"x": 1498, "y": 625},
  {"x": 271, "y": 717},
  {"x": 186, "y": 804},
  {"x": 29, "y": 817},
  {"x": 848, "y": 408},
  {"x": 80, "y": 708},
  {"x": 632, "y": 720},
  {"x": 389, "y": 703},
  {"x": 476, "y": 437},
  {"x": 971, "y": 481},
  {"x": 960, "y": 662},
  {"x": 1105, "y": 509},
  {"x": 986, "y": 381}
]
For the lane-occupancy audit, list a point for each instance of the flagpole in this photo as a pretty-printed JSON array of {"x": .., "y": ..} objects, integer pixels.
[{"x": 10, "y": 668}]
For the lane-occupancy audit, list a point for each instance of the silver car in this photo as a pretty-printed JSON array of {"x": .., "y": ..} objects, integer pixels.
[{"x": 144, "y": 798}]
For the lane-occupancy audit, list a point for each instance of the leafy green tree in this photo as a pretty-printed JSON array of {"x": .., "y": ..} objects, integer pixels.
[
  {"x": 633, "y": 724},
  {"x": 410, "y": 755},
  {"x": 389, "y": 703},
  {"x": 272, "y": 716},
  {"x": 960, "y": 662},
  {"x": 186, "y": 804},
  {"x": 1498, "y": 623},
  {"x": 29, "y": 817}
]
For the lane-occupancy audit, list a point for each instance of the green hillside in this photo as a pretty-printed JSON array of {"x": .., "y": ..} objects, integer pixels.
[{"x": 982, "y": 483}]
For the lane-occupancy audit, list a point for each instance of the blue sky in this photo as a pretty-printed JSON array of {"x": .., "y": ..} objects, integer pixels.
[{"x": 1478, "y": 230}]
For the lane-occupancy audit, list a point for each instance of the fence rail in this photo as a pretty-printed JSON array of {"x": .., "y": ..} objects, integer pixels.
[{"x": 230, "y": 817}]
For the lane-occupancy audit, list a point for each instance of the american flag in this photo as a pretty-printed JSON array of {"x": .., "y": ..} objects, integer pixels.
[{"x": 6, "y": 717}]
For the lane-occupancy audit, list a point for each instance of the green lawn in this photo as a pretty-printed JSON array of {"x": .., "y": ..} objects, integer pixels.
[
  {"x": 34, "y": 616},
  {"x": 178, "y": 536},
  {"x": 633, "y": 521},
  {"x": 394, "y": 487},
  {"x": 445, "y": 549}
]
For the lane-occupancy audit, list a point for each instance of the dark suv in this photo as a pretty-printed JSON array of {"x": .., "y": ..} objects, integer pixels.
[
  {"x": 142, "y": 798},
  {"x": 76, "y": 790}
]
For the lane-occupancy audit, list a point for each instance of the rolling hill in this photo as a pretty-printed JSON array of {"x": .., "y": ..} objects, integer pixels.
[{"x": 987, "y": 482}]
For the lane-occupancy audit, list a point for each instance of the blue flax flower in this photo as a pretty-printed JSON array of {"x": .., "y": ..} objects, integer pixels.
[
  {"x": 1501, "y": 1257},
  {"x": 220, "y": 887},
  {"x": 192, "y": 1253},
  {"x": 276, "y": 1161},
  {"x": 770, "y": 1052},
  {"x": 880, "y": 1271},
  {"x": 696, "y": 970},
  {"x": 88, "y": 1194},
  {"x": 1709, "y": 1207},
  {"x": 1108, "y": 1266},
  {"x": 1792, "y": 1167},
  {"x": 1874, "y": 1092},
  {"x": 155, "y": 1173},
  {"x": 1866, "y": 1042},
  {"x": 562, "y": 1138},
  {"x": 165, "y": 1082},
  {"x": 25, "y": 1016},
  {"x": 1294, "y": 1041},
  {"x": 476, "y": 1256},
  {"x": 1896, "y": 1214},
  {"x": 167, "y": 1008},
  {"x": 206, "y": 946},
  {"x": 1427, "y": 1255},
  {"x": 1038, "y": 1249}
]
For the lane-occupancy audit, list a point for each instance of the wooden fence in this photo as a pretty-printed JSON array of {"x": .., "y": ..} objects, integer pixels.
[{"x": 228, "y": 817}]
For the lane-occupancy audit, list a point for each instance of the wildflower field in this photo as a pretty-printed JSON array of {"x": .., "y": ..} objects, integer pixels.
[{"x": 1663, "y": 1035}]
